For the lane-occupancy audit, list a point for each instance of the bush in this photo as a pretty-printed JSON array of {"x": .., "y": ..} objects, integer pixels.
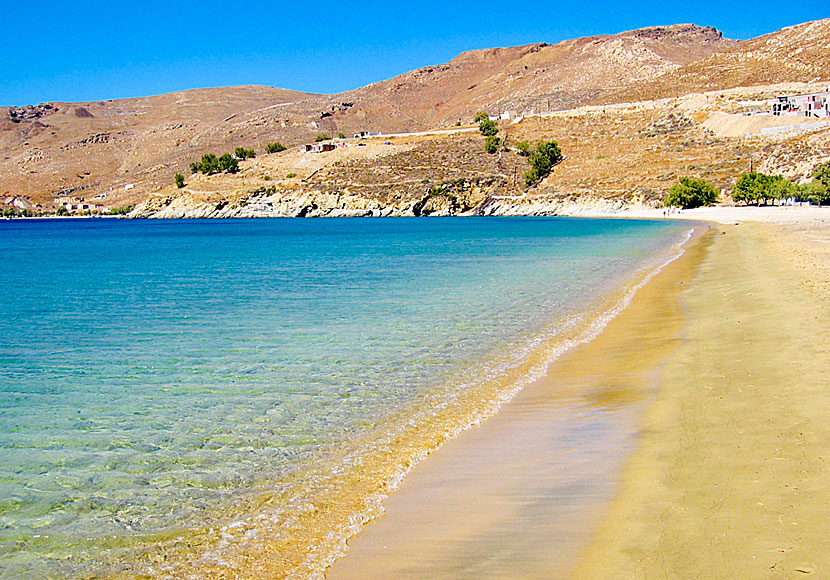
[
  {"x": 692, "y": 192},
  {"x": 524, "y": 149},
  {"x": 542, "y": 160},
  {"x": 482, "y": 116},
  {"x": 274, "y": 147},
  {"x": 290, "y": 175},
  {"x": 488, "y": 128},
  {"x": 341, "y": 135},
  {"x": 821, "y": 173},
  {"x": 210, "y": 164},
  {"x": 320, "y": 138},
  {"x": 228, "y": 163},
  {"x": 242, "y": 153},
  {"x": 814, "y": 191},
  {"x": 179, "y": 180},
  {"x": 491, "y": 144},
  {"x": 121, "y": 210},
  {"x": 754, "y": 187},
  {"x": 62, "y": 210}
]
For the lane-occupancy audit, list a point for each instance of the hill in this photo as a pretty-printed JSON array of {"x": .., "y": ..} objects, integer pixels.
[{"x": 128, "y": 150}]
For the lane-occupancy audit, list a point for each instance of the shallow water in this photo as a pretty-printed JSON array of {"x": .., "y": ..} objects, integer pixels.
[{"x": 161, "y": 378}]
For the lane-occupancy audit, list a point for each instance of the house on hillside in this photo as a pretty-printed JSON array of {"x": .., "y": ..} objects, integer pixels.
[
  {"x": 318, "y": 147},
  {"x": 806, "y": 105}
]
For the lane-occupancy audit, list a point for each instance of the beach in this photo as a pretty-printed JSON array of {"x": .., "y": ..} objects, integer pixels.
[{"x": 688, "y": 440}]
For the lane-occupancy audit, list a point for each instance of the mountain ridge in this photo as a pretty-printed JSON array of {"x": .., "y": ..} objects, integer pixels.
[{"x": 103, "y": 147}]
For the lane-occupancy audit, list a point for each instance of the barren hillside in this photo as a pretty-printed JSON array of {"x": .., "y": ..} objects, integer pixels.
[
  {"x": 129, "y": 149},
  {"x": 794, "y": 54}
]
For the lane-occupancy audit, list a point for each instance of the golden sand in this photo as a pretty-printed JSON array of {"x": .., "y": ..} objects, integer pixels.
[
  {"x": 731, "y": 477},
  {"x": 717, "y": 376}
]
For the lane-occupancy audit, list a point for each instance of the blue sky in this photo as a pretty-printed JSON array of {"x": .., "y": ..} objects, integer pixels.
[{"x": 94, "y": 50}]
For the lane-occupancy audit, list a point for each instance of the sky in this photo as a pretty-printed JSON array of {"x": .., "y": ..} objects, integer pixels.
[{"x": 56, "y": 50}]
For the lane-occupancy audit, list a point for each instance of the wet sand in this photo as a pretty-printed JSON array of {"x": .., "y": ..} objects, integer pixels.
[
  {"x": 520, "y": 495},
  {"x": 689, "y": 440}
]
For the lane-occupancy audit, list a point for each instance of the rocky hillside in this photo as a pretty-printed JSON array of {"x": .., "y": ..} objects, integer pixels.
[
  {"x": 617, "y": 156},
  {"x": 796, "y": 53},
  {"x": 128, "y": 150}
]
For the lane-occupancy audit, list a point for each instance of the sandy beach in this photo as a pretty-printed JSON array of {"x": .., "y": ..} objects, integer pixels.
[{"x": 687, "y": 441}]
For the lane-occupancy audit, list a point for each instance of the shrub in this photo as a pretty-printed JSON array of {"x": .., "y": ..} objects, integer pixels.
[
  {"x": 541, "y": 161},
  {"x": 290, "y": 175},
  {"x": 692, "y": 192},
  {"x": 488, "y": 128},
  {"x": 179, "y": 180},
  {"x": 491, "y": 144},
  {"x": 482, "y": 116},
  {"x": 754, "y": 187},
  {"x": 242, "y": 153},
  {"x": 274, "y": 147},
  {"x": 821, "y": 173},
  {"x": 62, "y": 210},
  {"x": 121, "y": 210},
  {"x": 228, "y": 163},
  {"x": 320, "y": 138},
  {"x": 814, "y": 191},
  {"x": 341, "y": 135},
  {"x": 524, "y": 149}
]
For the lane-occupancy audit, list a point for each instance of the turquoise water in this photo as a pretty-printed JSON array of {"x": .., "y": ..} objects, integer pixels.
[{"x": 154, "y": 374}]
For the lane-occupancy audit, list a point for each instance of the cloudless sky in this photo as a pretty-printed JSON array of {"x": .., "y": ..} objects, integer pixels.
[{"x": 56, "y": 50}]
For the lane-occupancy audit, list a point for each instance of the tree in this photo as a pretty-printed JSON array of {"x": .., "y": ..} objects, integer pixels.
[
  {"x": 274, "y": 147},
  {"x": 491, "y": 144},
  {"x": 542, "y": 160},
  {"x": 179, "y": 180},
  {"x": 691, "y": 192},
  {"x": 242, "y": 153},
  {"x": 341, "y": 135},
  {"x": 524, "y": 149},
  {"x": 320, "y": 138},
  {"x": 754, "y": 187},
  {"x": 210, "y": 164},
  {"x": 228, "y": 163},
  {"x": 815, "y": 192},
  {"x": 821, "y": 173},
  {"x": 481, "y": 116},
  {"x": 488, "y": 128}
]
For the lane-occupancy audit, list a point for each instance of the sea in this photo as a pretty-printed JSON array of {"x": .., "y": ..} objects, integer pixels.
[{"x": 235, "y": 398}]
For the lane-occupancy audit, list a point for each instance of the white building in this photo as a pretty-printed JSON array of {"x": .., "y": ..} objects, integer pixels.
[{"x": 806, "y": 105}]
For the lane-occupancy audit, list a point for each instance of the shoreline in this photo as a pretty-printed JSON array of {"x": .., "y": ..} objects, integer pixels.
[
  {"x": 522, "y": 460},
  {"x": 621, "y": 533}
]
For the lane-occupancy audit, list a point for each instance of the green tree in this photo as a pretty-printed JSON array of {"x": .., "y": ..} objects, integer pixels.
[
  {"x": 242, "y": 153},
  {"x": 524, "y": 148},
  {"x": 228, "y": 163},
  {"x": 491, "y": 144},
  {"x": 341, "y": 135},
  {"x": 821, "y": 173},
  {"x": 179, "y": 180},
  {"x": 62, "y": 210},
  {"x": 755, "y": 187},
  {"x": 691, "y": 192},
  {"x": 481, "y": 116},
  {"x": 210, "y": 164},
  {"x": 814, "y": 191},
  {"x": 320, "y": 138},
  {"x": 488, "y": 128},
  {"x": 542, "y": 160},
  {"x": 274, "y": 147}
]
